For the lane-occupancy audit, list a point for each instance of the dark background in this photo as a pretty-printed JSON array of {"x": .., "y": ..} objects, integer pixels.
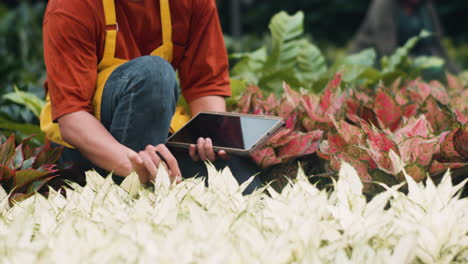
[{"x": 329, "y": 20}]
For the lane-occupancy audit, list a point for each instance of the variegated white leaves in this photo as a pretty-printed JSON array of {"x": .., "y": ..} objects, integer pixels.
[{"x": 192, "y": 223}]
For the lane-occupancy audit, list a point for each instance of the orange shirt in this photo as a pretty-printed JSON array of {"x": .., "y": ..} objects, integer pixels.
[{"x": 74, "y": 34}]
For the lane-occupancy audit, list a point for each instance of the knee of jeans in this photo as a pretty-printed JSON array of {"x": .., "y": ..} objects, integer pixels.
[{"x": 157, "y": 75}]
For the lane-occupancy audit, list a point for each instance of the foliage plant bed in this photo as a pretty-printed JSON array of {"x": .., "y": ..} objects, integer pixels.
[
  {"x": 192, "y": 223},
  {"x": 423, "y": 125}
]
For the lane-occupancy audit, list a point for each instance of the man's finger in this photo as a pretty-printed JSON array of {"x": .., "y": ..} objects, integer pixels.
[
  {"x": 201, "y": 149},
  {"x": 151, "y": 151},
  {"x": 193, "y": 153},
  {"x": 210, "y": 154},
  {"x": 149, "y": 165},
  {"x": 138, "y": 166},
  {"x": 223, "y": 155}
]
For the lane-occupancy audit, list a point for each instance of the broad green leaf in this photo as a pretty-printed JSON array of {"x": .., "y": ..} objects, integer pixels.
[
  {"x": 425, "y": 62},
  {"x": 28, "y": 164},
  {"x": 7, "y": 151},
  {"x": 18, "y": 158},
  {"x": 284, "y": 28},
  {"x": 37, "y": 185},
  {"x": 401, "y": 55},
  {"x": 6, "y": 173},
  {"x": 27, "y": 129},
  {"x": 29, "y": 100},
  {"x": 26, "y": 176},
  {"x": 366, "y": 57},
  {"x": 311, "y": 64}
]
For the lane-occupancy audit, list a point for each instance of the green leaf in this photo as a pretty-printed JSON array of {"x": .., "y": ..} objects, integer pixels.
[
  {"x": 18, "y": 158},
  {"x": 37, "y": 185},
  {"x": 250, "y": 66},
  {"x": 6, "y": 173},
  {"x": 284, "y": 28},
  {"x": 27, "y": 129},
  {"x": 392, "y": 63},
  {"x": 26, "y": 176},
  {"x": 366, "y": 57},
  {"x": 426, "y": 62},
  {"x": 311, "y": 64},
  {"x": 48, "y": 156},
  {"x": 7, "y": 151},
  {"x": 28, "y": 164},
  {"x": 29, "y": 100}
]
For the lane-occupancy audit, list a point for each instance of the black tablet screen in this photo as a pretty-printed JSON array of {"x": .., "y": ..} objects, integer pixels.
[{"x": 239, "y": 132}]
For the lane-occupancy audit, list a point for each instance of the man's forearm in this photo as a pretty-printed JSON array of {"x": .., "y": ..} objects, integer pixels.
[
  {"x": 91, "y": 138},
  {"x": 210, "y": 103}
]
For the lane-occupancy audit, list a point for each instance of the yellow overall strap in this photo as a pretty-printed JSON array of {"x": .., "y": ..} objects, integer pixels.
[{"x": 166, "y": 50}]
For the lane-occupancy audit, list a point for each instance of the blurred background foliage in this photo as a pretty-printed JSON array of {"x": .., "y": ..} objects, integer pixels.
[{"x": 328, "y": 24}]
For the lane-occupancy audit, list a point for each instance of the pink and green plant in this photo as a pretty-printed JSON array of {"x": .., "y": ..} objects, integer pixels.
[{"x": 25, "y": 170}]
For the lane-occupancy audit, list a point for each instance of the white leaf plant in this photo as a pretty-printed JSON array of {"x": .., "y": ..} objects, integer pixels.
[{"x": 192, "y": 223}]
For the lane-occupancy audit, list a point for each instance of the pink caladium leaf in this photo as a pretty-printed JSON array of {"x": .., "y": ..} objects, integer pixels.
[
  {"x": 438, "y": 115},
  {"x": 291, "y": 96},
  {"x": 361, "y": 167},
  {"x": 378, "y": 140},
  {"x": 265, "y": 157},
  {"x": 460, "y": 142},
  {"x": 250, "y": 99},
  {"x": 280, "y": 138},
  {"x": 439, "y": 167},
  {"x": 294, "y": 144},
  {"x": 410, "y": 110},
  {"x": 416, "y": 171},
  {"x": 414, "y": 127},
  {"x": 381, "y": 160},
  {"x": 336, "y": 143},
  {"x": 463, "y": 119},
  {"x": 388, "y": 112},
  {"x": 351, "y": 134},
  {"x": 447, "y": 152},
  {"x": 301, "y": 144},
  {"x": 454, "y": 83},
  {"x": 418, "y": 150},
  {"x": 335, "y": 82}
]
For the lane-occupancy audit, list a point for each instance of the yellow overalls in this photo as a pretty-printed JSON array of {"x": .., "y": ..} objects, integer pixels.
[{"x": 109, "y": 63}]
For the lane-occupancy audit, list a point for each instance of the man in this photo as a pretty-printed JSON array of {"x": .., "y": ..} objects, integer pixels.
[
  {"x": 112, "y": 86},
  {"x": 390, "y": 23}
]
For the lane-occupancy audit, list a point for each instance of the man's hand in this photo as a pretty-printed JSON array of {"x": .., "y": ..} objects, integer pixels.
[
  {"x": 146, "y": 163},
  {"x": 204, "y": 148},
  {"x": 204, "y": 151}
]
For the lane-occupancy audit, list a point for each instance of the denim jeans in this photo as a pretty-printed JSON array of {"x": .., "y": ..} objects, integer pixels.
[{"x": 138, "y": 103}]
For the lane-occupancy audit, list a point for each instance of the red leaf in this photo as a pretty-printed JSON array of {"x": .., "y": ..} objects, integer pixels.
[
  {"x": 265, "y": 157},
  {"x": 351, "y": 134},
  {"x": 410, "y": 110},
  {"x": 437, "y": 167},
  {"x": 378, "y": 140},
  {"x": 301, "y": 144},
  {"x": 460, "y": 142},
  {"x": 416, "y": 171},
  {"x": 438, "y": 115},
  {"x": 463, "y": 119},
  {"x": 387, "y": 110},
  {"x": 414, "y": 127},
  {"x": 335, "y": 82},
  {"x": 418, "y": 150},
  {"x": 448, "y": 152},
  {"x": 454, "y": 83},
  {"x": 361, "y": 167}
]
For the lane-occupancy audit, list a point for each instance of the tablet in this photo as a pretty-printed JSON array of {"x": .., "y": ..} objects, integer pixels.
[{"x": 237, "y": 134}]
